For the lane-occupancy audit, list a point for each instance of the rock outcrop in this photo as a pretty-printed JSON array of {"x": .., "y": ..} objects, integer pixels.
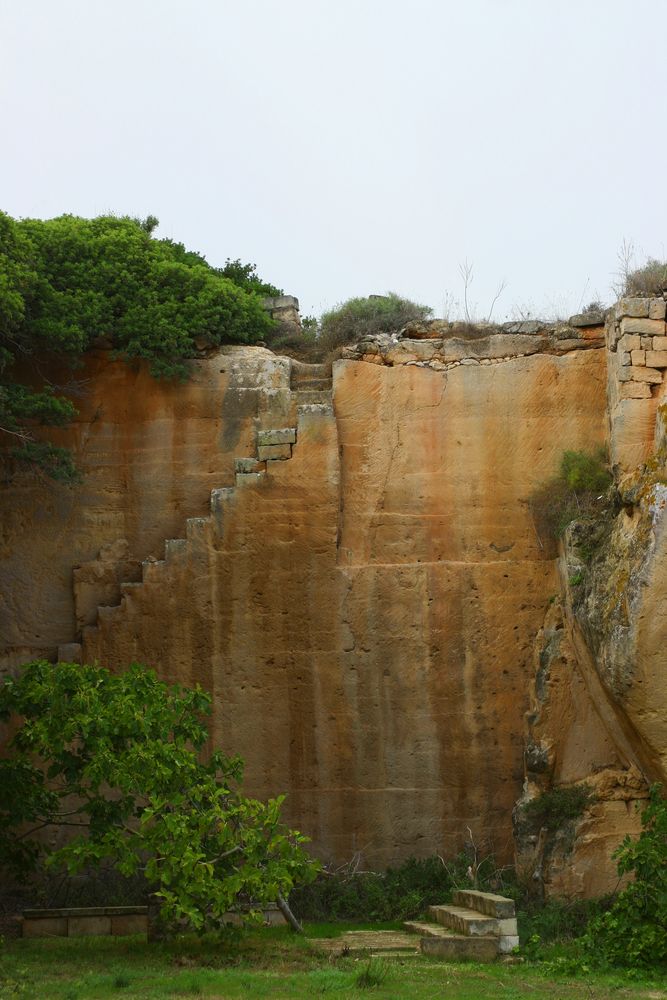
[{"x": 364, "y": 609}]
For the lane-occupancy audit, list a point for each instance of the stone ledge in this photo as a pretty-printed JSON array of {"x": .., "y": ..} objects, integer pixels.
[{"x": 282, "y": 435}]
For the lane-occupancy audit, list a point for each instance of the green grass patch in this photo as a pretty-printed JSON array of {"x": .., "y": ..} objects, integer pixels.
[{"x": 275, "y": 963}]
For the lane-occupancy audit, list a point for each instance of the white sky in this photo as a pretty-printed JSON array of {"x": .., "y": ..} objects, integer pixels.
[{"x": 352, "y": 147}]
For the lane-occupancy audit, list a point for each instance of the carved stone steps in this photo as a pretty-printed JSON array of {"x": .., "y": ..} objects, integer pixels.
[
  {"x": 472, "y": 917},
  {"x": 273, "y": 444},
  {"x": 437, "y": 940}
]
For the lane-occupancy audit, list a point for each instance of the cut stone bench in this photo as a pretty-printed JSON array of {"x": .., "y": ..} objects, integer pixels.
[{"x": 98, "y": 921}]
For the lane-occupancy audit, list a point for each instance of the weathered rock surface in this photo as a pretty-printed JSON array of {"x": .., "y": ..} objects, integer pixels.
[{"x": 363, "y": 605}]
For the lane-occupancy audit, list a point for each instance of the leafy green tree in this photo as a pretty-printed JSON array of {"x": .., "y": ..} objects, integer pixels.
[
  {"x": 246, "y": 277},
  {"x": 67, "y": 281},
  {"x": 117, "y": 759},
  {"x": 634, "y": 930}
]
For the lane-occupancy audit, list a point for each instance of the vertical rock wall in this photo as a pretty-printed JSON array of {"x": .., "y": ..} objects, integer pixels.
[{"x": 364, "y": 612}]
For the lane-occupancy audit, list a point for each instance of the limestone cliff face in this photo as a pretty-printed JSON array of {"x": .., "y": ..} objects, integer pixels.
[
  {"x": 598, "y": 703},
  {"x": 354, "y": 574}
]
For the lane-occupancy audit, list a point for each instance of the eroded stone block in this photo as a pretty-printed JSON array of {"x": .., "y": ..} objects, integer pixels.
[
  {"x": 129, "y": 924},
  {"x": 638, "y": 357},
  {"x": 89, "y": 926},
  {"x": 273, "y": 452},
  {"x": 646, "y": 375},
  {"x": 637, "y": 307},
  {"x": 656, "y": 359},
  {"x": 657, "y": 309},
  {"x": 635, "y": 390},
  {"x": 651, "y": 327},
  {"x": 628, "y": 343},
  {"x": 34, "y": 927},
  {"x": 282, "y": 435},
  {"x": 69, "y": 652}
]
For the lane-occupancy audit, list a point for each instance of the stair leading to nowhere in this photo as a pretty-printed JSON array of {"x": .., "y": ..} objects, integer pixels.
[{"x": 476, "y": 926}]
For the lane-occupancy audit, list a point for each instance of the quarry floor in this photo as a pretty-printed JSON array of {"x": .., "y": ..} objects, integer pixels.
[{"x": 274, "y": 963}]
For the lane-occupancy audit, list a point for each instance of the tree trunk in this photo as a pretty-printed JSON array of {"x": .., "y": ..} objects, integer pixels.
[{"x": 283, "y": 906}]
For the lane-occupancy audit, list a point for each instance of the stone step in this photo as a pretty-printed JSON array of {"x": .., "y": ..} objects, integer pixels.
[
  {"x": 277, "y": 435},
  {"x": 300, "y": 369},
  {"x": 311, "y": 383},
  {"x": 485, "y": 902},
  {"x": 312, "y": 396},
  {"x": 425, "y": 928},
  {"x": 459, "y": 948},
  {"x": 248, "y": 465},
  {"x": 464, "y": 921},
  {"x": 441, "y": 941},
  {"x": 195, "y": 528}
]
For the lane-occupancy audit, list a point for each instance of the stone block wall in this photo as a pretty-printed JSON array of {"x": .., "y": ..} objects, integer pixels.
[{"x": 636, "y": 336}]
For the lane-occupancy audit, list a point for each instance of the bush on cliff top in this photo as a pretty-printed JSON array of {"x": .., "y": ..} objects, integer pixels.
[
  {"x": 67, "y": 281},
  {"x": 358, "y": 318},
  {"x": 649, "y": 279}
]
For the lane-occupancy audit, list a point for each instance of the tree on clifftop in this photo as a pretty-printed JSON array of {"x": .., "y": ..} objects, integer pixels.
[
  {"x": 116, "y": 760},
  {"x": 68, "y": 281}
]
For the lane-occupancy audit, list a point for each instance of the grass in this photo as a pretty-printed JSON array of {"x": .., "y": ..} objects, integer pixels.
[{"x": 274, "y": 963}]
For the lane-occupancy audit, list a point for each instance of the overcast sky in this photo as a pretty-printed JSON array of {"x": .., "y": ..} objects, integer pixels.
[{"x": 349, "y": 147}]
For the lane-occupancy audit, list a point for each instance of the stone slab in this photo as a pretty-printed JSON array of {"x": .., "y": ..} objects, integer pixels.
[
  {"x": 133, "y": 924},
  {"x": 635, "y": 390},
  {"x": 454, "y": 947},
  {"x": 37, "y": 927},
  {"x": 651, "y": 375},
  {"x": 652, "y": 327},
  {"x": 274, "y": 452},
  {"x": 629, "y": 342},
  {"x": 656, "y": 359},
  {"x": 282, "y": 435},
  {"x": 508, "y": 943},
  {"x": 88, "y": 926},
  {"x": 489, "y": 903},
  {"x": 377, "y": 941},
  {"x": 464, "y": 920},
  {"x": 637, "y": 307},
  {"x": 587, "y": 319},
  {"x": 70, "y": 652},
  {"x": 247, "y": 465}
]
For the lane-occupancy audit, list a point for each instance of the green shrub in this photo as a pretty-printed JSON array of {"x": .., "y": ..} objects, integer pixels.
[
  {"x": 649, "y": 279},
  {"x": 633, "y": 932},
  {"x": 65, "y": 282},
  {"x": 396, "y": 894},
  {"x": 557, "y": 919},
  {"x": 578, "y": 491},
  {"x": 557, "y": 807},
  {"x": 358, "y": 318}
]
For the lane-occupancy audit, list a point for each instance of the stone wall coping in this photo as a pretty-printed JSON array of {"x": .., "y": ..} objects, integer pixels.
[{"x": 86, "y": 911}]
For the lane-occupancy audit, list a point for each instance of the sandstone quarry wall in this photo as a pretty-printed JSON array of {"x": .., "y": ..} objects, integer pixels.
[{"x": 364, "y": 606}]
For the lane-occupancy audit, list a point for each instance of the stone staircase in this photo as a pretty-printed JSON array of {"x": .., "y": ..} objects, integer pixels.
[
  {"x": 477, "y": 926},
  {"x": 272, "y": 445},
  {"x": 311, "y": 383}
]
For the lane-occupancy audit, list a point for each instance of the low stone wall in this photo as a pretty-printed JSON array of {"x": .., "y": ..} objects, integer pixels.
[
  {"x": 98, "y": 921},
  {"x": 110, "y": 921}
]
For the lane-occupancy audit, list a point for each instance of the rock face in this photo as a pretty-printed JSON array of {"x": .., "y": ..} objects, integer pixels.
[
  {"x": 598, "y": 707},
  {"x": 363, "y": 608}
]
